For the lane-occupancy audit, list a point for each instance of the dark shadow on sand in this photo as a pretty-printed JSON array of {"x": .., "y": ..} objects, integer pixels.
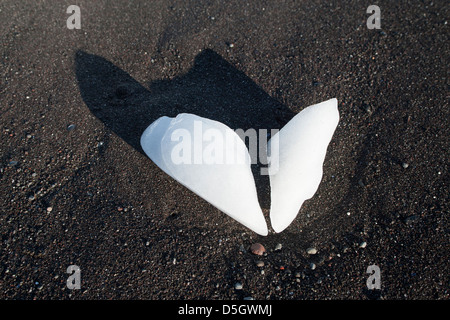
[{"x": 212, "y": 88}]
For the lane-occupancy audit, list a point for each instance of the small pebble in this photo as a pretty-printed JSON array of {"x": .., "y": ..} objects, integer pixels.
[
  {"x": 405, "y": 165},
  {"x": 238, "y": 286},
  {"x": 311, "y": 250},
  {"x": 258, "y": 249},
  {"x": 363, "y": 244},
  {"x": 71, "y": 127},
  {"x": 312, "y": 266},
  {"x": 278, "y": 247},
  {"x": 260, "y": 263},
  {"x": 49, "y": 209}
]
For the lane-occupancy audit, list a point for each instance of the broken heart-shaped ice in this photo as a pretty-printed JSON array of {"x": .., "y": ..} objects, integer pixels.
[{"x": 210, "y": 159}]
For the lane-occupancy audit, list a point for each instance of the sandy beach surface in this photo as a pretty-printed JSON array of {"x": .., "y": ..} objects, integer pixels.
[{"x": 77, "y": 189}]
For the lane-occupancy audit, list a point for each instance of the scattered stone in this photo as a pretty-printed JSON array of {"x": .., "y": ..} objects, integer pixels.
[
  {"x": 278, "y": 247},
  {"x": 312, "y": 265},
  {"x": 249, "y": 298},
  {"x": 258, "y": 249},
  {"x": 311, "y": 250},
  {"x": 49, "y": 209},
  {"x": 71, "y": 127},
  {"x": 13, "y": 163},
  {"x": 405, "y": 165},
  {"x": 363, "y": 244},
  {"x": 238, "y": 286},
  {"x": 260, "y": 263}
]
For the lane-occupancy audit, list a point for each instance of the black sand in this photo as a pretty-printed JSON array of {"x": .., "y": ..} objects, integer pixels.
[{"x": 135, "y": 233}]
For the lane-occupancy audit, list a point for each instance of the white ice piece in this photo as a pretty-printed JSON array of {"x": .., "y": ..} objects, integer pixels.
[
  {"x": 211, "y": 160},
  {"x": 302, "y": 144}
]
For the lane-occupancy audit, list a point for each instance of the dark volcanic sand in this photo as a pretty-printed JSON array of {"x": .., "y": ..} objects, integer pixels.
[{"x": 135, "y": 233}]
